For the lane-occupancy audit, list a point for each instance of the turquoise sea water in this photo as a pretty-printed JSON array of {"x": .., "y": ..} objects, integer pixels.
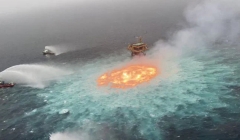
[{"x": 195, "y": 97}]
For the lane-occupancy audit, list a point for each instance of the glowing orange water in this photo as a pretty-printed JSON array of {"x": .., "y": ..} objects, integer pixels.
[{"x": 129, "y": 76}]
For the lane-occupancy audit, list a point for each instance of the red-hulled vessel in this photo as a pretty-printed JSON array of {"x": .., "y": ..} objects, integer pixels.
[{"x": 6, "y": 85}]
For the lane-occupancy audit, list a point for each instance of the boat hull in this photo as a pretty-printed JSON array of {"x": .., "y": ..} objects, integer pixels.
[
  {"x": 6, "y": 86},
  {"x": 48, "y": 53}
]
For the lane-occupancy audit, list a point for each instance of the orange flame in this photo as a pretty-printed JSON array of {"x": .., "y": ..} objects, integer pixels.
[{"x": 129, "y": 76}]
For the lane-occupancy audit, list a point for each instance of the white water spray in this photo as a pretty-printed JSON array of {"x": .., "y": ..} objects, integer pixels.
[
  {"x": 59, "y": 49},
  {"x": 33, "y": 75},
  {"x": 69, "y": 136}
]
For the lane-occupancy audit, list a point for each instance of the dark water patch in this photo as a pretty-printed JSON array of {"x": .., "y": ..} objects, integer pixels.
[
  {"x": 183, "y": 122},
  {"x": 16, "y": 102},
  {"x": 118, "y": 126},
  {"x": 222, "y": 125},
  {"x": 226, "y": 114},
  {"x": 117, "y": 131},
  {"x": 227, "y": 131},
  {"x": 20, "y": 118},
  {"x": 235, "y": 90},
  {"x": 133, "y": 134},
  {"x": 37, "y": 126},
  {"x": 207, "y": 122}
]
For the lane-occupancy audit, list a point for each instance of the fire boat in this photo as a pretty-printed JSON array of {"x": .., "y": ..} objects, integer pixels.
[
  {"x": 6, "y": 85},
  {"x": 138, "y": 48},
  {"x": 48, "y": 52}
]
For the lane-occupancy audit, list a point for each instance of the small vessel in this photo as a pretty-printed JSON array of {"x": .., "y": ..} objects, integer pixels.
[
  {"x": 48, "y": 52},
  {"x": 138, "y": 48},
  {"x": 6, "y": 85}
]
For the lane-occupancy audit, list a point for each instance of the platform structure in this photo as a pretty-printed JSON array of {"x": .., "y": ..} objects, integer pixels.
[{"x": 138, "y": 48}]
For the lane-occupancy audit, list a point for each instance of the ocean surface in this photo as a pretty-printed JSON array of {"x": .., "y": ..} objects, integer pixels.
[{"x": 195, "y": 44}]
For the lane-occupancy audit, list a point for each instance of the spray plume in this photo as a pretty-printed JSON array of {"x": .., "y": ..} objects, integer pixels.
[
  {"x": 59, "y": 49},
  {"x": 32, "y": 75}
]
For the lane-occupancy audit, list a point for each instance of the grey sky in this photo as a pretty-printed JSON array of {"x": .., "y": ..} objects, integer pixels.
[
  {"x": 27, "y": 26},
  {"x": 10, "y": 7}
]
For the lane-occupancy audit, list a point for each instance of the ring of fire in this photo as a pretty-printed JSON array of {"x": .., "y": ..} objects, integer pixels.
[{"x": 129, "y": 76}]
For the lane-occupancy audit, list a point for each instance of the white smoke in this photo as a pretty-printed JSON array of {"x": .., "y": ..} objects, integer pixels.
[
  {"x": 208, "y": 22},
  {"x": 214, "y": 19},
  {"x": 33, "y": 75}
]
